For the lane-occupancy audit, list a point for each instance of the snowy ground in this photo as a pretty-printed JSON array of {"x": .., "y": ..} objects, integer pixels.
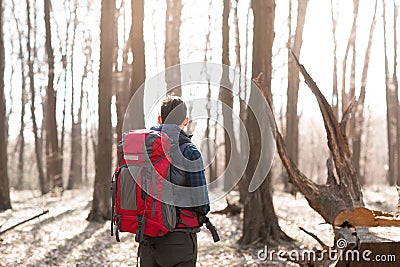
[{"x": 63, "y": 237}]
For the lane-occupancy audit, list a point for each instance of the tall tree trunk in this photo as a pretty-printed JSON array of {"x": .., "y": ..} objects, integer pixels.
[
  {"x": 134, "y": 117},
  {"x": 75, "y": 171},
  {"x": 65, "y": 69},
  {"x": 121, "y": 77},
  {"x": 101, "y": 196},
  {"x": 335, "y": 92},
  {"x": 396, "y": 88},
  {"x": 260, "y": 222},
  {"x": 44, "y": 185},
  {"x": 243, "y": 110},
  {"x": 346, "y": 97},
  {"x": 21, "y": 137},
  {"x": 54, "y": 160},
  {"x": 226, "y": 97},
  {"x": 172, "y": 46},
  {"x": 5, "y": 202},
  {"x": 358, "y": 119},
  {"x": 391, "y": 110},
  {"x": 211, "y": 169},
  {"x": 292, "y": 119}
]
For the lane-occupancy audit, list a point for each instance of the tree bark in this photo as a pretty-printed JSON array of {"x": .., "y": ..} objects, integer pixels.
[
  {"x": 172, "y": 46},
  {"x": 342, "y": 191},
  {"x": 135, "y": 118},
  {"x": 260, "y": 222},
  {"x": 44, "y": 185},
  {"x": 391, "y": 111},
  {"x": 396, "y": 85},
  {"x": 75, "y": 171},
  {"x": 54, "y": 160},
  {"x": 101, "y": 196},
  {"x": 292, "y": 119},
  {"x": 5, "y": 202}
]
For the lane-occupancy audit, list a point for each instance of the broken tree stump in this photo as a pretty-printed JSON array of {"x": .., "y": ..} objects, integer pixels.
[
  {"x": 368, "y": 246},
  {"x": 340, "y": 201}
]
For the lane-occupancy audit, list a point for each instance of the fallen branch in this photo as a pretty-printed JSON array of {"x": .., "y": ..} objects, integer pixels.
[
  {"x": 323, "y": 245},
  {"x": 27, "y": 220}
]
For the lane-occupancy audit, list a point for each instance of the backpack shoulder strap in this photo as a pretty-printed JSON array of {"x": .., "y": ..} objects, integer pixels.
[{"x": 183, "y": 144}]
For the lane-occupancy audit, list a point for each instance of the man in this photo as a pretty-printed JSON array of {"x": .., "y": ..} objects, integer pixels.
[{"x": 179, "y": 247}]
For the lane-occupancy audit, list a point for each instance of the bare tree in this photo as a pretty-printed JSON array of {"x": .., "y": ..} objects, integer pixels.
[
  {"x": 64, "y": 59},
  {"x": 138, "y": 65},
  {"x": 75, "y": 171},
  {"x": 172, "y": 46},
  {"x": 243, "y": 108},
  {"x": 121, "y": 76},
  {"x": 44, "y": 185},
  {"x": 212, "y": 167},
  {"x": 5, "y": 202},
  {"x": 335, "y": 92},
  {"x": 226, "y": 97},
  {"x": 357, "y": 122},
  {"x": 396, "y": 84},
  {"x": 54, "y": 160},
  {"x": 391, "y": 111},
  {"x": 21, "y": 137},
  {"x": 132, "y": 75},
  {"x": 346, "y": 97},
  {"x": 101, "y": 199},
  {"x": 292, "y": 119},
  {"x": 260, "y": 222}
]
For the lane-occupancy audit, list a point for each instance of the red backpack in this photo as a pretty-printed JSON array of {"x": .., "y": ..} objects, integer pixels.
[{"x": 137, "y": 187}]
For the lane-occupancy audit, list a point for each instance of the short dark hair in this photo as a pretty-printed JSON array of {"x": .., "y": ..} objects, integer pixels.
[{"x": 173, "y": 110}]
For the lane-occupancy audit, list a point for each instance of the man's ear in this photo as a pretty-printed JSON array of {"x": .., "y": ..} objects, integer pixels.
[
  {"x": 159, "y": 119},
  {"x": 185, "y": 122}
]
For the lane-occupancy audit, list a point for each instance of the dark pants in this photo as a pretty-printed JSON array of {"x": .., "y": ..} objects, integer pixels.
[{"x": 174, "y": 249}]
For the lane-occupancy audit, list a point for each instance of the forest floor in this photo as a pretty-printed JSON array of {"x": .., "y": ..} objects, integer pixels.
[{"x": 64, "y": 237}]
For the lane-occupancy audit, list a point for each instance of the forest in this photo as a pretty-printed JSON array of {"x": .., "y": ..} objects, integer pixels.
[{"x": 294, "y": 106}]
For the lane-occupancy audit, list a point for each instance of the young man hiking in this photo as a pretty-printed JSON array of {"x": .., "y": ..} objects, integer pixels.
[{"x": 179, "y": 247}]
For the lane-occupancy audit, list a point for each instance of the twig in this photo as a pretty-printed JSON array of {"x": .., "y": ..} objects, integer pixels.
[
  {"x": 27, "y": 220},
  {"x": 324, "y": 246}
]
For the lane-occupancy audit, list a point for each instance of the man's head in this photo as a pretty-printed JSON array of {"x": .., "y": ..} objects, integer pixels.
[{"x": 173, "y": 111}]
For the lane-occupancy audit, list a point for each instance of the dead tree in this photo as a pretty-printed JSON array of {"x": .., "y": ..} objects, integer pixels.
[{"x": 340, "y": 200}]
